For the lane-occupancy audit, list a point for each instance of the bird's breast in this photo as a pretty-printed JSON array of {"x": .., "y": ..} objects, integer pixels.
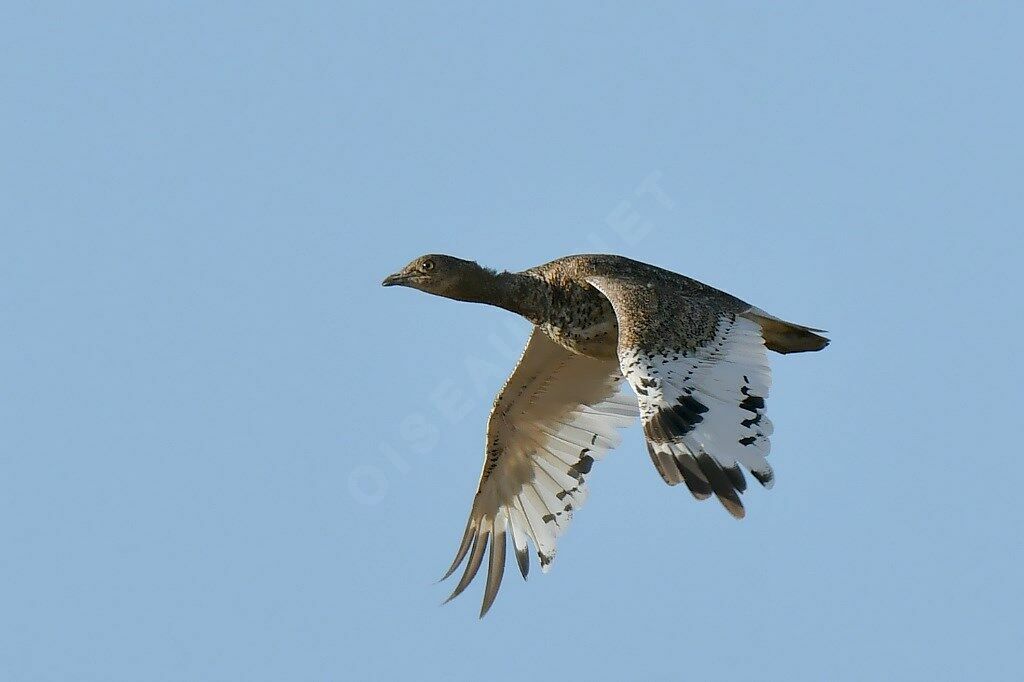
[
  {"x": 579, "y": 318},
  {"x": 596, "y": 338}
]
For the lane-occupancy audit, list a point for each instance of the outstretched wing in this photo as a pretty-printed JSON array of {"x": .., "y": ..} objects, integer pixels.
[
  {"x": 557, "y": 413},
  {"x": 700, "y": 371}
]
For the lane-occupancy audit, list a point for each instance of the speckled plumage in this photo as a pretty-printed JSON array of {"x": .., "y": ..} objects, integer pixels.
[
  {"x": 694, "y": 356},
  {"x": 677, "y": 311}
]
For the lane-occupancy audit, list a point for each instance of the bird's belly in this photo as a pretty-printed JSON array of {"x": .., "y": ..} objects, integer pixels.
[{"x": 598, "y": 340}]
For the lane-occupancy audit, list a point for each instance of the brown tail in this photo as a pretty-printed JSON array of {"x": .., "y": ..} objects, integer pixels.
[{"x": 786, "y": 337}]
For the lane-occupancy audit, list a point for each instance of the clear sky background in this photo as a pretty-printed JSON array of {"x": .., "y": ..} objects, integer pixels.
[{"x": 224, "y": 456}]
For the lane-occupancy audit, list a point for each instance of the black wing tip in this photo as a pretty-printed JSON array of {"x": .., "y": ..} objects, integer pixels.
[
  {"x": 523, "y": 559},
  {"x": 724, "y": 488},
  {"x": 735, "y": 474},
  {"x": 480, "y": 541},
  {"x": 765, "y": 478},
  {"x": 704, "y": 476}
]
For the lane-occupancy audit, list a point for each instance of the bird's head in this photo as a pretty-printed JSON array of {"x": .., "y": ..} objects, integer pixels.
[{"x": 442, "y": 275}]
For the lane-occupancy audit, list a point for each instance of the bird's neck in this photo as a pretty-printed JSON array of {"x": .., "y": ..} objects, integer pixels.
[{"x": 514, "y": 291}]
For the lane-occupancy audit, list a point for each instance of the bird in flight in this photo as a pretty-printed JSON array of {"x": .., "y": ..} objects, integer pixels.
[{"x": 695, "y": 359}]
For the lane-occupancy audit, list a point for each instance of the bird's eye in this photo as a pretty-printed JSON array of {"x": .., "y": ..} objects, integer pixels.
[{"x": 427, "y": 265}]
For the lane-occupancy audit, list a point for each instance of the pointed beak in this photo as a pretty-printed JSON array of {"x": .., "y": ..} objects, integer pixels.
[{"x": 398, "y": 278}]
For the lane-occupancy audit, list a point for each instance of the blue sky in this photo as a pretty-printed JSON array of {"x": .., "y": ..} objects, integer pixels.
[{"x": 223, "y": 454}]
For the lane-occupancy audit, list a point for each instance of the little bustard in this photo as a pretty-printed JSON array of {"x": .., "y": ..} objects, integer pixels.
[{"x": 695, "y": 358}]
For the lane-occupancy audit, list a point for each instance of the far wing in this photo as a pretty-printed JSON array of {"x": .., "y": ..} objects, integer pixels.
[
  {"x": 700, "y": 372},
  {"x": 557, "y": 413}
]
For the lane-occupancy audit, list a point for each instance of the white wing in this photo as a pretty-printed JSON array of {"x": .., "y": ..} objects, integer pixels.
[
  {"x": 557, "y": 413},
  {"x": 701, "y": 386}
]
